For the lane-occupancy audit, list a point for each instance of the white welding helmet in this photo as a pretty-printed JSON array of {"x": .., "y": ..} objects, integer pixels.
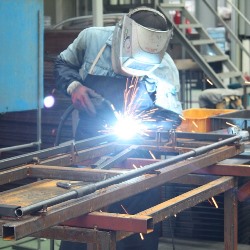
[{"x": 139, "y": 42}]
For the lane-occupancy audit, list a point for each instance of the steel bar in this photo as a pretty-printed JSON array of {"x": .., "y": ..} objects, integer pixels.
[
  {"x": 202, "y": 136},
  {"x": 61, "y": 149},
  {"x": 122, "y": 177},
  {"x": 14, "y": 174},
  {"x": 69, "y": 173},
  {"x": 89, "y": 175},
  {"x": 158, "y": 212},
  {"x": 32, "y": 144},
  {"x": 118, "y": 158},
  {"x": 82, "y": 155},
  {"x": 230, "y": 220},
  {"x": 244, "y": 192},
  {"x": 73, "y": 208},
  {"x": 226, "y": 169},
  {"x": 114, "y": 222},
  {"x": 186, "y": 200},
  {"x": 74, "y": 234}
]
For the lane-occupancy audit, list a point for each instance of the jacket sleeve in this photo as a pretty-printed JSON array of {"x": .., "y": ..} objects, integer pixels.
[
  {"x": 167, "y": 82},
  {"x": 65, "y": 73},
  {"x": 69, "y": 62}
]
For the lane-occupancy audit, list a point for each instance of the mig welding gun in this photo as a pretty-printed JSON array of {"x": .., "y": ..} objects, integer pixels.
[{"x": 103, "y": 106}]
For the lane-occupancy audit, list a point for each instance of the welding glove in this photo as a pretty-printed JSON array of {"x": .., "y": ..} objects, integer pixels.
[{"x": 84, "y": 98}]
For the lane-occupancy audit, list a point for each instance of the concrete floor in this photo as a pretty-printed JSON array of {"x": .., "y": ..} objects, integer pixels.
[
  {"x": 179, "y": 244},
  {"x": 165, "y": 244}
]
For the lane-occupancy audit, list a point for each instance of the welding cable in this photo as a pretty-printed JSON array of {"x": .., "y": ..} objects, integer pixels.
[
  {"x": 91, "y": 188},
  {"x": 63, "y": 118},
  {"x": 99, "y": 103},
  {"x": 171, "y": 232}
]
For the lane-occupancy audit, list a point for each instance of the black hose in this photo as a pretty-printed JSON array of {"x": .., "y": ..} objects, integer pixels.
[{"x": 64, "y": 117}]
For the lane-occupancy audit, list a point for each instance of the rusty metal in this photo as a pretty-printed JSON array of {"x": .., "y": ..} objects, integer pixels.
[
  {"x": 110, "y": 221},
  {"x": 55, "y": 205},
  {"x": 12, "y": 175},
  {"x": 186, "y": 200},
  {"x": 226, "y": 169},
  {"x": 230, "y": 220},
  {"x": 159, "y": 212},
  {"x": 85, "y": 190},
  {"x": 69, "y": 173},
  {"x": 104, "y": 197},
  {"x": 128, "y": 152},
  {"x": 244, "y": 192},
  {"x": 61, "y": 149},
  {"x": 76, "y": 234}
]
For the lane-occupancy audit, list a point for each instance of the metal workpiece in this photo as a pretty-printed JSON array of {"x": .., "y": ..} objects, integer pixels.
[
  {"x": 65, "y": 148},
  {"x": 41, "y": 206},
  {"x": 137, "y": 223},
  {"x": 85, "y": 190},
  {"x": 118, "y": 158}
]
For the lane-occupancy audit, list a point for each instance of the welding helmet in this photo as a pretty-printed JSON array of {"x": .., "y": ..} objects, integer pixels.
[{"x": 139, "y": 42}]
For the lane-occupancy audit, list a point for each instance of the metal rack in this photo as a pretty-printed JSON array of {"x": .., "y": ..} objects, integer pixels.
[{"x": 40, "y": 208}]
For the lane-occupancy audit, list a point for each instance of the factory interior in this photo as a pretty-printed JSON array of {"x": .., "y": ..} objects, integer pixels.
[{"x": 54, "y": 188}]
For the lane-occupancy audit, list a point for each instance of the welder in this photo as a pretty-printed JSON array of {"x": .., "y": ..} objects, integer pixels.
[{"x": 98, "y": 64}]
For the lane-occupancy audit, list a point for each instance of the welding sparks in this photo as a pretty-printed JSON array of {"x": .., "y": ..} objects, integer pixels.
[
  {"x": 209, "y": 82},
  {"x": 132, "y": 121},
  {"x": 152, "y": 155},
  {"x": 134, "y": 166},
  {"x": 141, "y": 235},
  {"x": 182, "y": 117},
  {"x": 232, "y": 125},
  {"x": 195, "y": 124},
  {"x": 215, "y": 203}
]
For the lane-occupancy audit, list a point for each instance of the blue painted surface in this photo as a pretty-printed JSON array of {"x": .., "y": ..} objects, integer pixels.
[{"x": 21, "y": 54}]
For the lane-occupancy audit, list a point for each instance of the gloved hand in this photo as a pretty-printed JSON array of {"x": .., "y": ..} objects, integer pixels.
[{"x": 87, "y": 99}]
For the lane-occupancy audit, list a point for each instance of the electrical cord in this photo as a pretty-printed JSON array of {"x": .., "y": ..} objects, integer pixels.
[{"x": 64, "y": 117}]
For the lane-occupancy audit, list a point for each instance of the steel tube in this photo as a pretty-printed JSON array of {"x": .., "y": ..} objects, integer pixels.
[
  {"x": 32, "y": 144},
  {"x": 122, "y": 177}
]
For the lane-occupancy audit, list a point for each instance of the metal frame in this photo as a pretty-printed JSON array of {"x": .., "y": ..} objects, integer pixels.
[{"x": 192, "y": 153}]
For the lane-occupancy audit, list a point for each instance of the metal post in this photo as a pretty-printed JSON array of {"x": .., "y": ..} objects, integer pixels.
[
  {"x": 97, "y": 12},
  {"x": 234, "y": 48},
  {"x": 230, "y": 220},
  {"x": 40, "y": 82}
]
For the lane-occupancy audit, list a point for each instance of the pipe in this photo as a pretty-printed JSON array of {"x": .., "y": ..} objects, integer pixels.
[
  {"x": 21, "y": 211},
  {"x": 64, "y": 117},
  {"x": 20, "y": 146}
]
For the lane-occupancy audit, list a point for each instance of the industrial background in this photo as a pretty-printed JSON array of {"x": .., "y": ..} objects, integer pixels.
[{"x": 211, "y": 48}]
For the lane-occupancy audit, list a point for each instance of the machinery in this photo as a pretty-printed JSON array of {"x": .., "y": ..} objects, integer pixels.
[{"x": 53, "y": 193}]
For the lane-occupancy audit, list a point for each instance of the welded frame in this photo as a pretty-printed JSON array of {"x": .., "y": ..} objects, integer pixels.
[{"x": 46, "y": 222}]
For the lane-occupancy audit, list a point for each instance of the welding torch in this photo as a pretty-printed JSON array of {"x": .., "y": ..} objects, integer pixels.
[
  {"x": 106, "y": 110},
  {"x": 110, "y": 108}
]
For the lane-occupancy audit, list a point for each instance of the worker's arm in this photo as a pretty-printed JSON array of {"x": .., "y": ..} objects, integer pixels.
[
  {"x": 166, "y": 78},
  {"x": 65, "y": 73},
  {"x": 69, "y": 62},
  {"x": 68, "y": 79}
]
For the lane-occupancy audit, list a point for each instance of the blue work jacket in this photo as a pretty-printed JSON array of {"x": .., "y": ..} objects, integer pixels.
[{"x": 74, "y": 63}]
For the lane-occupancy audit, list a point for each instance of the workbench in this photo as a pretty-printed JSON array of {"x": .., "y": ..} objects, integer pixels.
[{"x": 103, "y": 170}]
